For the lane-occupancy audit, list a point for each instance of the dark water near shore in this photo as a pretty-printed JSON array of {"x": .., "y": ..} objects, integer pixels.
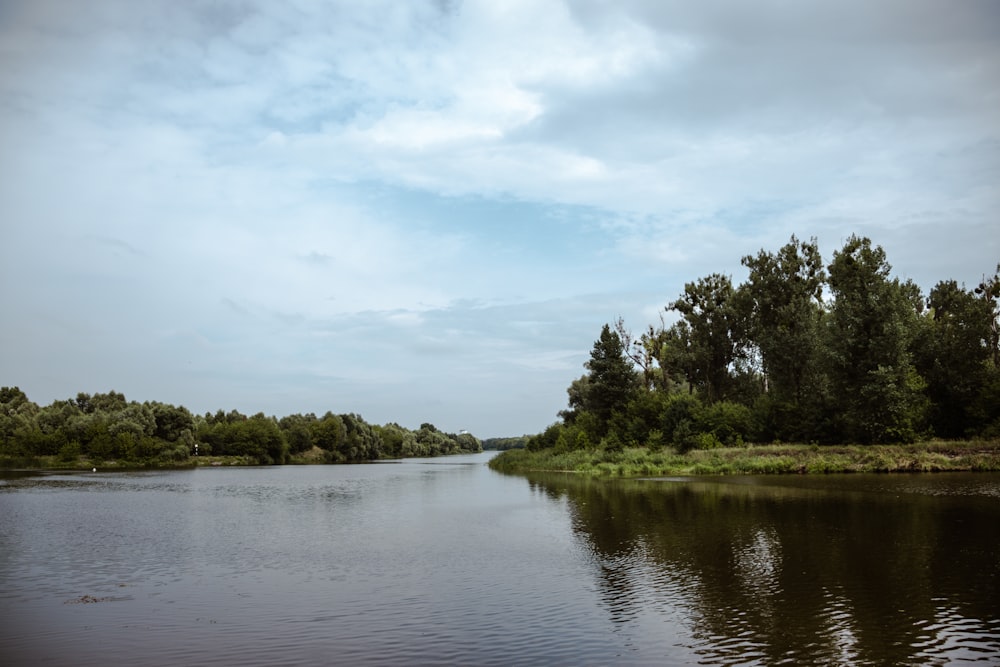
[{"x": 441, "y": 561}]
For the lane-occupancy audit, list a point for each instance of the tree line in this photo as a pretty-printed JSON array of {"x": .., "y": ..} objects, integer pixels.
[
  {"x": 503, "y": 444},
  {"x": 107, "y": 427},
  {"x": 802, "y": 351}
]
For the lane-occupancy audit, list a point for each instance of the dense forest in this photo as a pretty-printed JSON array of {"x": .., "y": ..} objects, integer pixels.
[
  {"x": 107, "y": 427},
  {"x": 802, "y": 351}
]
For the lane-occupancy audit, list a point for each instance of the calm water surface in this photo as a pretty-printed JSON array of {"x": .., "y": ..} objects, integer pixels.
[{"x": 441, "y": 561}]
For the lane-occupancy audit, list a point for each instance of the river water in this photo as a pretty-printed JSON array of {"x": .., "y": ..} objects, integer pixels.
[{"x": 442, "y": 561}]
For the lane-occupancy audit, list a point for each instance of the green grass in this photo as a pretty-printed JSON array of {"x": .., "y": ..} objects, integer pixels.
[
  {"x": 55, "y": 462},
  {"x": 931, "y": 456}
]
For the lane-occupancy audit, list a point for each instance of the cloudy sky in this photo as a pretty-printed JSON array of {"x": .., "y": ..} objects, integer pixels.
[{"x": 425, "y": 211}]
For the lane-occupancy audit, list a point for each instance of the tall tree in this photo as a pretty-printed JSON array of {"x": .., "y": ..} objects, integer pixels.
[
  {"x": 785, "y": 292},
  {"x": 989, "y": 292},
  {"x": 952, "y": 353},
  {"x": 328, "y": 433},
  {"x": 710, "y": 334},
  {"x": 611, "y": 380},
  {"x": 17, "y": 416},
  {"x": 784, "y": 296},
  {"x": 871, "y": 324},
  {"x": 647, "y": 353}
]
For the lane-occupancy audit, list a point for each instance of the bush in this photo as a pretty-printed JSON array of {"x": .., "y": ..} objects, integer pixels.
[
  {"x": 547, "y": 439},
  {"x": 685, "y": 437},
  {"x": 730, "y": 423},
  {"x": 612, "y": 443},
  {"x": 178, "y": 452},
  {"x": 572, "y": 438},
  {"x": 656, "y": 440},
  {"x": 70, "y": 451},
  {"x": 679, "y": 408}
]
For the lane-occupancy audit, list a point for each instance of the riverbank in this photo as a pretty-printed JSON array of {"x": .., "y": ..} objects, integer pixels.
[
  {"x": 314, "y": 456},
  {"x": 932, "y": 456},
  {"x": 85, "y": 463}
]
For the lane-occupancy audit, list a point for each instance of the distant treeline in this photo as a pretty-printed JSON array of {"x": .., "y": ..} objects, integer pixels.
[
  {"x": 800, "y": 352},
  {"x": 503, "y": 444},
  {"x": 107, "y": 427}
]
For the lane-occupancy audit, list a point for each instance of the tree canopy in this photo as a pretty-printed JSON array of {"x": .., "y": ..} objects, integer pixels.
[
  {"x": 108, "y": 427},
  {"x": 802, "y": 351}
]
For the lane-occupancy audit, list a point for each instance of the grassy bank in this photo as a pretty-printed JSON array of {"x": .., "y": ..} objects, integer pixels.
[
  {"x": 85, "y": 463},
  {"x": 310, "y": 457},
  {"x": 933, "y": 456}
]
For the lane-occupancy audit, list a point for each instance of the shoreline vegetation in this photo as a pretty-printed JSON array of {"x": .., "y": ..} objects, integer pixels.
[
  {"x": 931, "y": 456},
  {"x": 107, "y": 431},
  {"x": 879, "y": 376},
  {"x": 55, "y": 463}
]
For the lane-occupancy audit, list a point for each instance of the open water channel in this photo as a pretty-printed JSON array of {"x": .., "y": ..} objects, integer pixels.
[{"x": 444, "y": 562}]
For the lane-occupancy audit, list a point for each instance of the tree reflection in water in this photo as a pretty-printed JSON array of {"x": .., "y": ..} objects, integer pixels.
[{"x": 832, "y": 570}]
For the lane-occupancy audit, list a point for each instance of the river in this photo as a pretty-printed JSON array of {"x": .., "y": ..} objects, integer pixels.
[{"x": 444, "y": 562}]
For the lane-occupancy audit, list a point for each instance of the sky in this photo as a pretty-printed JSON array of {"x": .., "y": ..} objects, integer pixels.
[{"x": 425, "y": 211}]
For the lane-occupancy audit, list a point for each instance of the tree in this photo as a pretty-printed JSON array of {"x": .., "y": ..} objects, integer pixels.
[
  {"x": 872, "y": 322},
  {"x": 329, "y": 432},
  {"x": 578, "y": 393},
  {"x": 171, "y": 422},
  {"x": 784, "y": 298},
  {"x": 17, "y": 418},
  {"x": 952, "y": 354},
  {"x": 259, "y": 438},
  {"x": 989, "y": 291},
  {"x": 785, "y": 293},
  {"x": 361, "y": 441},
  {"x": 611, "y": 380},
  {"x": 108, "y": 402},
  {"x": 645, "y": 352},
  {"x": 708, "y": 339},
  {"x": 398, "y": 441},
  {"x": 298, "y": 431}
]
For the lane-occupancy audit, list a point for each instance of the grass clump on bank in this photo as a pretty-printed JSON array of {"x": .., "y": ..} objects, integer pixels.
[{"x": 931, "y": 456}]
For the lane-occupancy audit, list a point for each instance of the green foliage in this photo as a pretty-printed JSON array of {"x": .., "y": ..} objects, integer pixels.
[
  {"x": 109, "y": 428},
  {"x": 783, "y": 302},
  {"x": 329, "y": 433},
  {"x": 989, "y": 291},
  {"x": 730, "y": 424},
  {"x": 770, "y": 360},
  {"x": 298, "y": 431},
  {"x": 170, "y": 422},
  {"x": 679, "y": 416},
  {"x": 872, "y": 323},
  {"x": 503, "y": 444},
  {"x": 70, "y": 451},
  {"x": 611, "y": 382},
  {"x": 708, "y": 458},
  {"x": 986, "y": 408},
  {"x": 710, "y": 336},
  {"x": 547, "y": 439},
  {"x": 952, "y": 354},
  {"x": 642, "y": 416}
]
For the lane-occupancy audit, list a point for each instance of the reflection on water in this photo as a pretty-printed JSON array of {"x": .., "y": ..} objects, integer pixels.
[
  {"x": 445, "y": 562},
  {"x": 845, "y": 570}
]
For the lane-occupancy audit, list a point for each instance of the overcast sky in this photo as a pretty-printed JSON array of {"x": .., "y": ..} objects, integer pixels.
[{"x": 425, "y": 211}]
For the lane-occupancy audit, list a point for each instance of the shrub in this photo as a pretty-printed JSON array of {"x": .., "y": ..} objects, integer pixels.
[
  {"x": 70, "y": 451},
  {"x": 612, "y": 443},
  {"x": 680, "y": 408},
  {"x": 730, "y": 423},
  {"x": 547, "y": 439}
]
